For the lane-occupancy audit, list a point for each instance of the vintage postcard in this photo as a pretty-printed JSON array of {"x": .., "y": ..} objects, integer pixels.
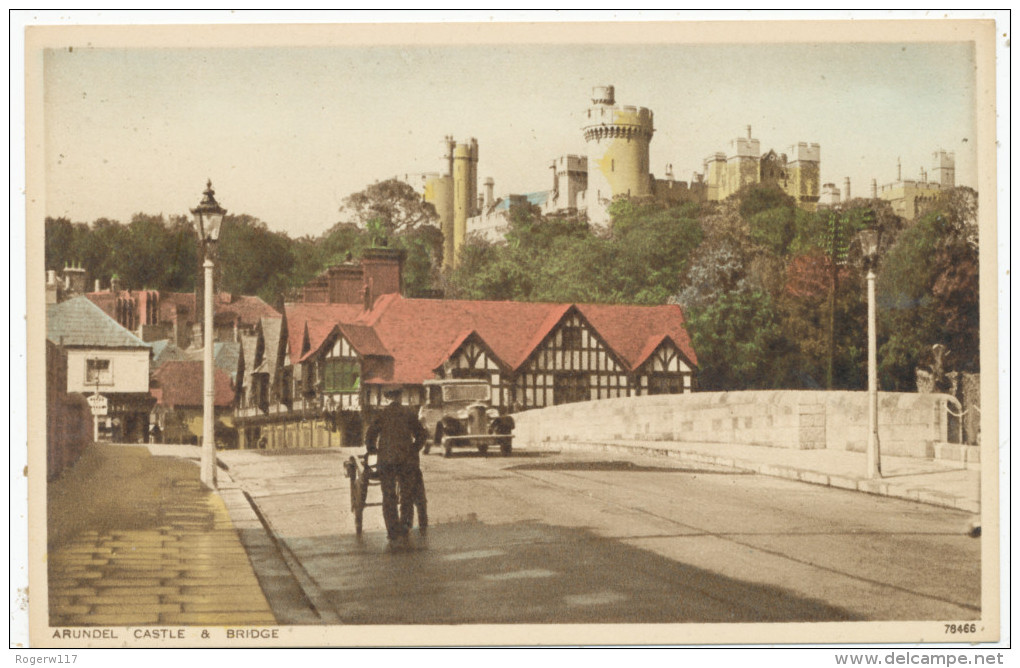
[{"x": 547, "y": 333}]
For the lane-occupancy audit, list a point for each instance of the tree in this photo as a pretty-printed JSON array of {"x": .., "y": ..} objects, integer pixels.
[
  {"x": 59, "y": 243},
  {"x": 99, "y": 248},
  {"x": 740, "y": 343},
  {"x": 252, "y": 259},
  {"x": 395, "y": 204}
]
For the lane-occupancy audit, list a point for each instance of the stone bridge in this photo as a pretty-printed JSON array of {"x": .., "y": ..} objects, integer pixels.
[{"x": 909, "y": 424}]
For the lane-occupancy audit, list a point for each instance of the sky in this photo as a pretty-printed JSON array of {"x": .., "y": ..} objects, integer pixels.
[{"x": 286, "y": 133}]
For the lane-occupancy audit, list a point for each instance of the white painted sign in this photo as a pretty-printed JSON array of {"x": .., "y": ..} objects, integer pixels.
[{"x": 98, "y": 404}]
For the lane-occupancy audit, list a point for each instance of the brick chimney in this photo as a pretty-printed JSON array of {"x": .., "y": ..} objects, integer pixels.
[
  {"x": 382, "y": 269},
  {"x": 345, "y": 283}
]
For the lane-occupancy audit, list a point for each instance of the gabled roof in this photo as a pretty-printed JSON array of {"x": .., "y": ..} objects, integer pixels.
[
  {"x": 419, "y": 335},
  {"x": 249, "y": 344},
  {"x": 634, "y": 332},
  {"x": 179, "y": 384},
  {"x": 79, "y": 322},
  {"x": 319, "y": 321}
]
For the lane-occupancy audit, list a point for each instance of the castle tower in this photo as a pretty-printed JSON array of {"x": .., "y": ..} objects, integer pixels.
[
  {"x": 439, "y": 193},
  {"x": 944, "y": 169},
  {"x": 846, "y": 188},
  {"x": 617, "y": 139},
  {"x": 465, "y": 191},
  {"x": 804, "y": 170},
  {"x": 743, "y": 164}
]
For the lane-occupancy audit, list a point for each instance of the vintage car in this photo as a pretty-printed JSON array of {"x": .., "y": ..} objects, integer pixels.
[{"x": 458, "y": 413}]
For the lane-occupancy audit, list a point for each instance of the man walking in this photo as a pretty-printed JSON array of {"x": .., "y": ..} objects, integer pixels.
[{"x": 396, "y": 435}]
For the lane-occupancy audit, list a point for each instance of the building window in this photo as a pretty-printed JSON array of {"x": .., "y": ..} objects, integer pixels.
[
  {"x": 570, "y": 387},
  {"x": 662, "y": 384},
  {"x": 98, "y": 372},
  {"x": 341, "y": 376}
]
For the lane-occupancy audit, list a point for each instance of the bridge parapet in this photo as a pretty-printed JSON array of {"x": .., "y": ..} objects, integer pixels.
[{"x": 910, "y": 424}]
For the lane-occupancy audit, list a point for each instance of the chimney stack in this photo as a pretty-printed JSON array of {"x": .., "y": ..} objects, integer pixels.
[
  {"x": 383, "y": 269},
  {"x": 874, "y": 189},
  {"x": 846, "y": 189},
  {"x": 748, "y": 131},
  {"x": 489, "y": 185}
]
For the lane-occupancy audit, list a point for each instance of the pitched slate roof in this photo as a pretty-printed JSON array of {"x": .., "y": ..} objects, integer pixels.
[
  {"x": 418, "y": 335},
  {"x": 165, "y": 351},
  {"x": 272, "y": 330},
  {"x": 179, "y": 384},
  {"x": 225, "y": 356},
  {"x": 249, "y": 344},
  {"x": 79, "y": 322}
]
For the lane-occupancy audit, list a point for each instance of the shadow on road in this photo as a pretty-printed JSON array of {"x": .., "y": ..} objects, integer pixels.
[{"x": 528, "y": 572}]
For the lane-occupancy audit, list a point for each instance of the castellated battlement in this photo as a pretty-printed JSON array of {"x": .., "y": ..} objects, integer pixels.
[
  {"x": 941, "y": 158},
  {"x": 602, "y": 121},
  {"x": 805, "y": 152},
  {"x": 603, "y": 95},
  {"x": 745, "y": 147},
  {"x": 571, "y": 163}
]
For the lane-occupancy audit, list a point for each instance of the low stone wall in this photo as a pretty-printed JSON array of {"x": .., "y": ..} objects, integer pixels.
[{"x": 909, "y": 424}]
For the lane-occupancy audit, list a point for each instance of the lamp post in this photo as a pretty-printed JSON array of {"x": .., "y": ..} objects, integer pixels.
[
  {"x": 208, "y": 217},
  {"x": 869, "y": 245}
]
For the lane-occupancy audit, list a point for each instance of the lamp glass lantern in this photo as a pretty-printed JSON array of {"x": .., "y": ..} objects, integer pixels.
[
  {"x": 209, "y": 217},
  {"x": 869, "y": 243}
]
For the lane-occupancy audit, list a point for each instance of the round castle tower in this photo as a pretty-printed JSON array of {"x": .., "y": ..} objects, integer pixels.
[{"x": 617, "y": 139}]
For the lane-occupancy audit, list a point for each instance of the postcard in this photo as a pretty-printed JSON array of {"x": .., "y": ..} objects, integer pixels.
[{"x": 450, "y": 333}]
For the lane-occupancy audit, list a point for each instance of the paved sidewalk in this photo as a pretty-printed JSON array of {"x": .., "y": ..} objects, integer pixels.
[
  {"x": 936, "y": 482},
  {"x": 135, "y": 539}
]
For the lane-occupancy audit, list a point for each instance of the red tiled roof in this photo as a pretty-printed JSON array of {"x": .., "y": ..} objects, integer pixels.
[
  {"x": 420, "y": 334},
  {"x": 247, "y": 309},
  {"x": 180, "y": 384},
  {"x": 635, "y": 331},
  {"x": 318, "y": 319}
]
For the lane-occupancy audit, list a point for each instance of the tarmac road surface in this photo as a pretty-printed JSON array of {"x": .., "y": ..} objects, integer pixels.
[{"x": 542, "y": 537}]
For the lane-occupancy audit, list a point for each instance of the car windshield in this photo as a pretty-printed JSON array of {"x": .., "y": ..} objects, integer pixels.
[{"x": 454, "y": 393}]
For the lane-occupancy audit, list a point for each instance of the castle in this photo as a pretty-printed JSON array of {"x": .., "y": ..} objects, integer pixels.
[
  {"x": 616, "y": 163},
  {"x": 907, "y": 197}
]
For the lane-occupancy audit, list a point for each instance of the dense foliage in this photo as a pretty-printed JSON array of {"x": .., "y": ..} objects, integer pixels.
[{"x": 774, "y": 295}]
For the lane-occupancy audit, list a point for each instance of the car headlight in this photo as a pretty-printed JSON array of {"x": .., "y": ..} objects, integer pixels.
[{"x": 462, "y": 414}]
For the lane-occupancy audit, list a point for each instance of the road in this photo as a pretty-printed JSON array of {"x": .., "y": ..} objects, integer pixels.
[{"x": 581, "y": 538}]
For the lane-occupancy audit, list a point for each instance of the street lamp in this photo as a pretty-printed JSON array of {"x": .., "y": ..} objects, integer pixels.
[
  {"x": 869, "y": 245},
  {"x": 208, "y": 217}
]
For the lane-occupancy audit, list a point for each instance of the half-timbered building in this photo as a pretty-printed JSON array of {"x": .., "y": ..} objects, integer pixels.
[{"x": 354, "y": 334}]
